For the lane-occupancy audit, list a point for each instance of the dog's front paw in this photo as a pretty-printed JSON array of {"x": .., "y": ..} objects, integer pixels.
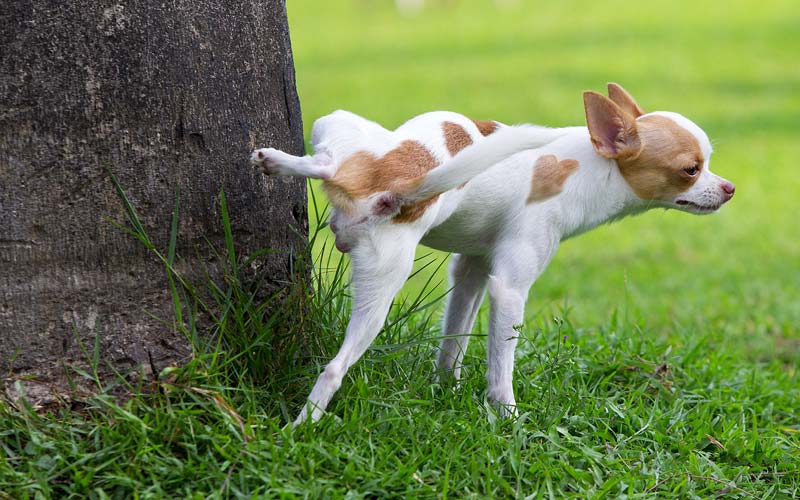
[
  {"x": 504, "y": 403},
  {"x": 507, "y": 410},
  {"x": 266, "y": 159}
]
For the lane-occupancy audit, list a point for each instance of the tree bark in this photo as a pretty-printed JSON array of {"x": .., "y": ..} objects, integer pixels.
[{"x": 165, "y": 95}]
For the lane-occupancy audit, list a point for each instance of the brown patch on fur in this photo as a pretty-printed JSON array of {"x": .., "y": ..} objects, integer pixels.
[
  {"x": 363, "y": 174},
  {"x": 455, "y": 137},
  {"x": 549, "y": 176},
  {"x": 410, "y": 213},
  {"x": 486, "y": 127},
  {"x": 657, "y": 172}
]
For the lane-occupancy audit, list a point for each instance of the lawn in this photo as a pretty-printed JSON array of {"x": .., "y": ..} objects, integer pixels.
[
  {"x": 729, "y": 66},
  {"x": 659, "y": 354}
]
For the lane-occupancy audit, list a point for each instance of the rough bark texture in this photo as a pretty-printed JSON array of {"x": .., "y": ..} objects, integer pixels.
[{"x": 165, "y": 95}]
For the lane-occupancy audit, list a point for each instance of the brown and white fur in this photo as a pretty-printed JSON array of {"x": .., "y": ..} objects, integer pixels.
[{"x": 501, "y": 198}]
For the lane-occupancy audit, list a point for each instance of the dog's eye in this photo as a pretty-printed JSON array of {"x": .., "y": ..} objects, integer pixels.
[{"x": 692, "y": 171}]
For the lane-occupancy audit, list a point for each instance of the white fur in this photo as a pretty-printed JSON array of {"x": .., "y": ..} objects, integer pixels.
[{"x": 501, "y": 242}]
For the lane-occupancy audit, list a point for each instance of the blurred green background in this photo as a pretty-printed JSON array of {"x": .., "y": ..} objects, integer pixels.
[{"x": 731, "y": 66}]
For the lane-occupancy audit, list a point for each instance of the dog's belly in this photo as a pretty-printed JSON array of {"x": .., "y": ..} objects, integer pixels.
[
  {"x": 471, "y": 220},
  {"x": 466, "y": 245},
  {"x": 466, "y": 231}
]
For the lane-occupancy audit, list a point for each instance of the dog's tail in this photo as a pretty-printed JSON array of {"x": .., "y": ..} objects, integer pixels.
[{"x": 479, "y": 157}]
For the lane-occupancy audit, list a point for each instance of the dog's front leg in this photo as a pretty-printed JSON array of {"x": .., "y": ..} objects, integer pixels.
[
  {"x": 507, "y": 309},
  {"x": 380, "y": 267},
  {"x": 514, "y": 269}
]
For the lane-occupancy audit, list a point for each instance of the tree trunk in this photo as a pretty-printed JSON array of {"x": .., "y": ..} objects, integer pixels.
[{"x": 165, "y": 95}]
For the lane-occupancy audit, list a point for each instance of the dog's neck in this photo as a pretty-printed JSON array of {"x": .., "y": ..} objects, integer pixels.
[{"x": 596, "y": 193}]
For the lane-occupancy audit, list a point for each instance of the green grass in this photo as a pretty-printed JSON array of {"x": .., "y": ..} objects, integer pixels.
[
  {"x": 730, "y": 66},
  {"x": 659, "y": 355}
]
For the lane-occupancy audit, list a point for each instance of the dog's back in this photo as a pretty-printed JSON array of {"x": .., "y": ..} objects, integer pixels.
[{"x": 402, "y": 173}]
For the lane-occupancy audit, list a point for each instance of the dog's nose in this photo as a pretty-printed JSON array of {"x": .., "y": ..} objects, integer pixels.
[{"x": 728, "y": 188}]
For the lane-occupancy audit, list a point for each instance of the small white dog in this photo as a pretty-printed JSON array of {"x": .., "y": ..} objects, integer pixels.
[{"x": 500, "y": 197}]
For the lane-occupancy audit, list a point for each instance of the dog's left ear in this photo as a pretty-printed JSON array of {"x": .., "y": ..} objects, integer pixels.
[
  {"x": 624, "y": 100},
  {"x": 612, "y": 130}
]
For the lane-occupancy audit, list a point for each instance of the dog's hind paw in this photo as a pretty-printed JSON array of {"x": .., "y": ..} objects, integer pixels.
[{"x": 267, "y": 160}]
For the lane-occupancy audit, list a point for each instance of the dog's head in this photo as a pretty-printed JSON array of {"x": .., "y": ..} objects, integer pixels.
[{"x": 663, "y": 156}]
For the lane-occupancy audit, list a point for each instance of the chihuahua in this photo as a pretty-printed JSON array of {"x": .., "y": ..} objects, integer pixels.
[{"x": 501, "y": 198}]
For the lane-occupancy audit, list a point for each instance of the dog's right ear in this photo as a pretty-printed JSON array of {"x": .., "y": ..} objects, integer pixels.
[{"x": 613, "y": 130}]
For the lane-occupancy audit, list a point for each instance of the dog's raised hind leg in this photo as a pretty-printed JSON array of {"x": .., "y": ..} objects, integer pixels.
[{"x": 275, "y": 162}]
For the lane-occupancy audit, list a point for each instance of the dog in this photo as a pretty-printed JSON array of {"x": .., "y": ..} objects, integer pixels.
[{"x": 500, "y": 198}]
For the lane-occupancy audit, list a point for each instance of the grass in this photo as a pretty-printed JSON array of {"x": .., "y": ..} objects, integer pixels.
[{"x": 659, "y": 355}]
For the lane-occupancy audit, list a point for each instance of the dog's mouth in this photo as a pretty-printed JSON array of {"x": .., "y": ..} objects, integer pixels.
[{"x": 696, "y": 208}]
